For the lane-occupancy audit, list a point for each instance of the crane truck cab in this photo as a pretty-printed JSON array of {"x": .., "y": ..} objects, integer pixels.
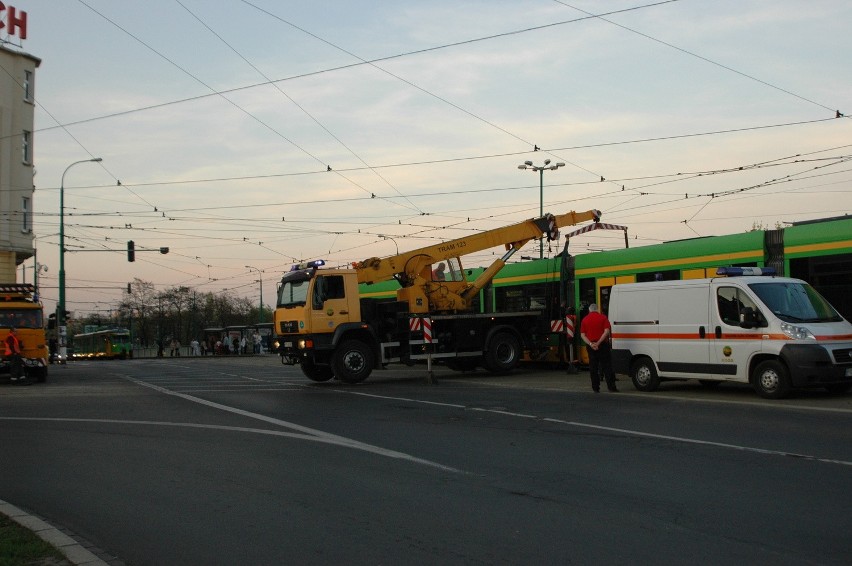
[{"x": 746, "y": 326}]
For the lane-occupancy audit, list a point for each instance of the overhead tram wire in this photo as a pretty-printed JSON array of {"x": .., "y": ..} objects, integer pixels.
[
  {"x": 330, "y": 69},
  {"x": 228, "y": 100},
  {"x": 221, "y": 93},
  {"x": 705, "y": 59},
  {"x": 299, "y": 106},
  {"x": 426, "y": 91},
  {"x": 473, "y": 158},
  {"x": 678, "y": 176}
]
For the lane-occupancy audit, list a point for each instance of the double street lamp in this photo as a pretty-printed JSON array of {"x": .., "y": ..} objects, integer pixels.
[
  {"x": 60, "y": 309},
  {"x": 260, "y": 279},
  {"x": 541, "y": 169}
]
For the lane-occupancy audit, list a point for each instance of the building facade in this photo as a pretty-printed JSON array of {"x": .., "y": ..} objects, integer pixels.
[{"x": 17, "y": 110}]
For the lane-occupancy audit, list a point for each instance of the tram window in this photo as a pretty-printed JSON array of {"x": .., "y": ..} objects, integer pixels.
[
  {"x": 605, "y": 293},
  {"x": 522, "y": 298},
  {"x": 669, "y": 275},
  {"x": 587, "y": 295}
]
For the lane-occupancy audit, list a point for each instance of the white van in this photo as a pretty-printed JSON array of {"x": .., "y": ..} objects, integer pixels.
[{"x": 775, "y": 333}]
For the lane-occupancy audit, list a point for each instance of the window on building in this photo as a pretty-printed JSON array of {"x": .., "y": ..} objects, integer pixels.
[
  {"x": 26, "y": 147},
  {"x": 28, "y": 86},
  {"x": 27, "y": 214}
]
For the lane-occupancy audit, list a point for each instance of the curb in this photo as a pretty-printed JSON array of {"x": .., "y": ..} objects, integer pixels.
[{"x": 73, "y": 551}]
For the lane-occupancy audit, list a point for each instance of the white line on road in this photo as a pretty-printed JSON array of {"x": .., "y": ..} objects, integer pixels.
[
  {"x": 311, "y": 434},
  {"x": 611, "y": 429}
]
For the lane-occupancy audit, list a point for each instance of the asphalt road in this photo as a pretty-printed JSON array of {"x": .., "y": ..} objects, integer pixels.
[{"x": 244, "y": 461}]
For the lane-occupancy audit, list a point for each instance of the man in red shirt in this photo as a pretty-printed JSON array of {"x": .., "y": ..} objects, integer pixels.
[
  {"x": 595, "y": 331},
  {"x": 13, "y": 353}
]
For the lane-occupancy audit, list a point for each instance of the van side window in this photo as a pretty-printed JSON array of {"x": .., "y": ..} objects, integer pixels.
[{"x": 732, "y": 303}]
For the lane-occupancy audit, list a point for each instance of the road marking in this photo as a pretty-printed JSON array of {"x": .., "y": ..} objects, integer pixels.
[
  {"x": 610, "y": 429},
  {"x": 310, "y": 434}
]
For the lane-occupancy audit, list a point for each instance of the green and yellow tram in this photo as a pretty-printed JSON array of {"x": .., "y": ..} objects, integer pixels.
[
  {"x": 113, "y": 343},
  {"x": 819, "y": 252}
]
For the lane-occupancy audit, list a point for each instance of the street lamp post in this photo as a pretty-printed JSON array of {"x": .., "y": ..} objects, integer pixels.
[
  {"x": 260, "y": 279},
  {"x": 60, "y": 309},
  {"x": 540, "y": 169}
]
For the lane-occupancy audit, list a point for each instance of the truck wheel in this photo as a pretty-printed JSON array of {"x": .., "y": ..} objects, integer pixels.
[
  {"x": 503, "y": 353},
  {"x": 353, "y": 361},
  {"x": 771, "y": 380},
  {"x": 644, "y": 375},
  {"x": 316, "y": 372}
]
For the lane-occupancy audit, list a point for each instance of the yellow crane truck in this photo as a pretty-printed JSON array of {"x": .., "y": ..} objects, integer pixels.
[
  {"x": 19, "y": 309},
  {"x": 323, "y": 325}
]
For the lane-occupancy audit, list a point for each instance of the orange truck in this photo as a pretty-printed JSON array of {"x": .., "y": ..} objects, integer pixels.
[{"x": 20, "y": 310}]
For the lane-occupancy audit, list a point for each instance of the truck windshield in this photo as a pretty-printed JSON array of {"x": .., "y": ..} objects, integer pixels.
[
  {"x": 21, "y": 318},
  {"x": 795, "y": 302},
  {"x": 293, "y": 292}
]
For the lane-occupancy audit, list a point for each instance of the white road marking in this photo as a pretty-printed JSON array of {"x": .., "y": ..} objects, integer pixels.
[
  {"x": 611, "y": 429},
  {"x": 308, "y": 433}
]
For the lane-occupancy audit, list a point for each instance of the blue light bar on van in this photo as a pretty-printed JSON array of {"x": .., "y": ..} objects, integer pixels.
[
  {"x": 308, "y": 265},
  {"x": 743, "y": 271}
]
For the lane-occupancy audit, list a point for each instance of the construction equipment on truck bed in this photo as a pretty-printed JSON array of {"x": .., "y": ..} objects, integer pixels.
[{"x": 323, "y": 325}]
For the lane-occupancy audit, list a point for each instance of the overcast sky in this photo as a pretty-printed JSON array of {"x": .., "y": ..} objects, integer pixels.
[{"x": 255, "y": 133}]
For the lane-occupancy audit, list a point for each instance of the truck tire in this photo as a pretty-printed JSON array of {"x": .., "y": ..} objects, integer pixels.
[
  {"x": 771, "y": 380},
  {"x": 503, "y": 353},
  {"x": 316, "y": 372},
  {"x": 353, "y": 361},
  {"x": 644, "y": 375}
]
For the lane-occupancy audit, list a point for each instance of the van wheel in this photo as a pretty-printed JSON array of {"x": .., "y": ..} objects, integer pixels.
[
  {"x": 644, "y": 375},
  {"x": 316, "y": 372},
  {"x": 503, "y": 353},
  {"x": 353, "y": 361},
  {"x": 771, "y": 380}
]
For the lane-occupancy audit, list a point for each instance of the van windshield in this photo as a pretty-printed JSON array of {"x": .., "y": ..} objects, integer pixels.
[{"x": 795, "y": 302}]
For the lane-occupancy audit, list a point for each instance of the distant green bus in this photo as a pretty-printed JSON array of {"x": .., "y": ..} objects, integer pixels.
[{"x": 113, "y": 343}]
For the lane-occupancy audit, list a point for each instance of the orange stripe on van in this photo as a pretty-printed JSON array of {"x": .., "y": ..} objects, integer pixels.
[{"x": 725, "y": 336}]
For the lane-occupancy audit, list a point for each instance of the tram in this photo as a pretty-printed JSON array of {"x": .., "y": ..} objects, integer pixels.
[{"x": 113, "y": 343}]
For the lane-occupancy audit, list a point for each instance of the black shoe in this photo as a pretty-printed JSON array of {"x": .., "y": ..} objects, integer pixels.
[
  {"x": 596, "y": 390},
  {"x": 613, "y": 390}
]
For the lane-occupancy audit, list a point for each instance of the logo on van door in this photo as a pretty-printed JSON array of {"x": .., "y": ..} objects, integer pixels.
[{"x": 727, "y": 351}]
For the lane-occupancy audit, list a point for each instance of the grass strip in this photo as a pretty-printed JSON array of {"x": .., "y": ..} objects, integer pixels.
[{"x": 20, "y": 546}]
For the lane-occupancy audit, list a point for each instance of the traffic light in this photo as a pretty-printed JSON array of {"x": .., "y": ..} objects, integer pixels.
[
  {"x": 131, "y": 251},
  {"x": 51, "y": 321},
  {"x": 128, "y": 289}
]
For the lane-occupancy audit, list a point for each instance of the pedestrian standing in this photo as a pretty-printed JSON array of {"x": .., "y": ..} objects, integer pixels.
[
  {"x": 596, "y": 331},
  {"x": 13, "y": 354}
]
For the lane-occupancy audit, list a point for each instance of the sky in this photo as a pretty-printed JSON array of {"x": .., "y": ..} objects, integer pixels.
[{"x": 259, "y": 133}]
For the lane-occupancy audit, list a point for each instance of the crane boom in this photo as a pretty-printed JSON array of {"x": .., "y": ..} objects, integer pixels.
[{"x": 407, "y": 266}]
